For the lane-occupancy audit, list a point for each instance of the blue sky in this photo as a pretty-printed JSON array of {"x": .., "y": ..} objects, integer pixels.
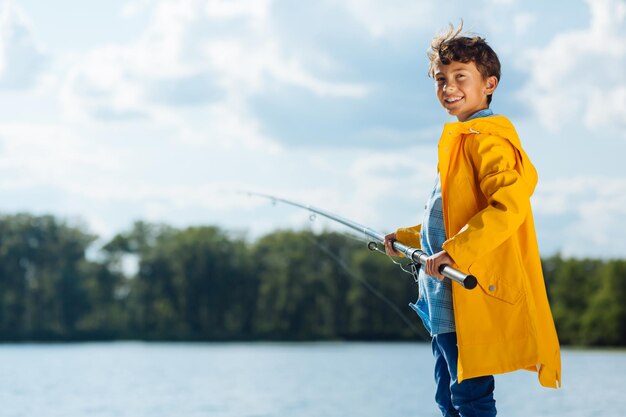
[{"x": 158, "y": 110}]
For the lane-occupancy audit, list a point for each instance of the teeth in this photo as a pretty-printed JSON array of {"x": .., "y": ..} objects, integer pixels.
[{"x": 453, "y": 99}]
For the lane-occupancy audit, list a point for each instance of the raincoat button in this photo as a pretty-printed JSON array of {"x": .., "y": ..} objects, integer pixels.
[{"x": 492, "y": 288}]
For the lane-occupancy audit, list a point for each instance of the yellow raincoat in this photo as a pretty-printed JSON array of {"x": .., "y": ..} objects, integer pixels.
[{"x": 505, "y": 323}]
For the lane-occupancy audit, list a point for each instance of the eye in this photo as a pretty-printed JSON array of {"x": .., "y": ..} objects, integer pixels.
[
  {"x": 440, "y": 80},
  {"x": 460, "y": 76}
]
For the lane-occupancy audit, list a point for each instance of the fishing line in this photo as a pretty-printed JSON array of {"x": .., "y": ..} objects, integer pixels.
[
  {"x": 369, "y": 287},
  {"x": 416, "y": 255},
  {"x": 374, "y": 247}
]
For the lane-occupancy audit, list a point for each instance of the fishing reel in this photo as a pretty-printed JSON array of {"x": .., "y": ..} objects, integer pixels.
[{"x": 414, "y": 267}]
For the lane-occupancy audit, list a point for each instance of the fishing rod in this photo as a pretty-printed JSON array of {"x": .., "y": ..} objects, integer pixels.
[{"x": 417, "y": 256}]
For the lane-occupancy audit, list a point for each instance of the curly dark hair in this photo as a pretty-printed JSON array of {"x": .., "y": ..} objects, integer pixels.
[{"x": 452, "y": 46}]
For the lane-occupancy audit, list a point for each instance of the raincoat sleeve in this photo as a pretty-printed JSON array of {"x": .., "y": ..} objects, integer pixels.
[
  {"x": 409, "y": 236},
  {"x": 508, "y": 201}
]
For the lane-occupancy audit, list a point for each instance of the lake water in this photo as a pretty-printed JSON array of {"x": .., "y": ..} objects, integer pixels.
[{"x": 277, "y": 380}]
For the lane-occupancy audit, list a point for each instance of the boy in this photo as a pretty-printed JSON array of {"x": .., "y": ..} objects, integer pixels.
[{"x": 478, "y": 219}]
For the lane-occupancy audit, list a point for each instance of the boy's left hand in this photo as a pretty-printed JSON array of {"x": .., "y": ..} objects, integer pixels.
[{"x": 434, "y": 262}]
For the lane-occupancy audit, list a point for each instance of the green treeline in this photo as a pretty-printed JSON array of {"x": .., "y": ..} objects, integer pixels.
[{"x": 203, "y": 283}]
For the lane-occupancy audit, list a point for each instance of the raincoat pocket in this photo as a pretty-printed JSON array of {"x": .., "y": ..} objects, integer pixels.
[{"x": 505, "y": 288}]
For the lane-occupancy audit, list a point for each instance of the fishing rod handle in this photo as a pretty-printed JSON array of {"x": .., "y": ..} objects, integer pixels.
[{"x": 468, "y": 281}]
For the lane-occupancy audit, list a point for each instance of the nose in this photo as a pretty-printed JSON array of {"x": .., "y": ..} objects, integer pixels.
[{"x": 448, "y": 86}]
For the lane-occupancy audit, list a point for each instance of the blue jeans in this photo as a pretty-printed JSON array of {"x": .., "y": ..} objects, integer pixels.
[{"x": 471, "y": 398}]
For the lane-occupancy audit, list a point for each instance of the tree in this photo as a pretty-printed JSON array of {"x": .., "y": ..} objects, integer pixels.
[
  {"x": 42, "y": 293},
  {"x": 604, "y": 321}
]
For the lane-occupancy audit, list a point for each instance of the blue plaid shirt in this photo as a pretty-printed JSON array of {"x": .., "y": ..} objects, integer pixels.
[{"x": 434, "y": 305}]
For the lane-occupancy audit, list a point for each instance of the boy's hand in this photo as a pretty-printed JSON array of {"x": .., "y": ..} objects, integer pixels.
[
  {"x": 434, "y": 262},
  {"x": 389, "y": 239}
]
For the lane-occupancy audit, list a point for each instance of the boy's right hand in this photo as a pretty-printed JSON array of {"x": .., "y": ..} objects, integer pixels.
[{"x": 389, "y": 239}]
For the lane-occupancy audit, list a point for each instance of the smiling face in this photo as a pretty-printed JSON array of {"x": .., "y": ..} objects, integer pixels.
[{"x": 461, "y": 88}]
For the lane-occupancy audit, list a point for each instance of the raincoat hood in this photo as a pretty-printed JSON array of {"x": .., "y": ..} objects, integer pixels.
[{"x": 502, "y": 127}]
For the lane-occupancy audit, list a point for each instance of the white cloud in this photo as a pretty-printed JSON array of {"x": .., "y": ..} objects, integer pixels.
[
  {"x": 134, "y": 7},
  {"x": 21, "y": 59},
  {"x": 522, "y": 22},
  {"x": 51, "y": 155},
  {"x": 386, "y": 180},
  {"x": 393, "y": 17},
  {"x": 239, "y": 60},
  {"x": 244, "y": 66},
  {"x": 256, "y": 9},
  {"x": 109, "y": 185},
  {"x": 597, "y": 209},
  {"x": 579, "y": 75},
  {"x": 120, "y": 82}
]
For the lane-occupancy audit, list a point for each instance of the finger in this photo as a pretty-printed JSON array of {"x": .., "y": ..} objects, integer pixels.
[
  {"x": 388, "y": 248},
  {"x": 391, "y": 248},
  {"x": 429, "y": 267},
  {"x": 437, "y": 273},
  {"x": 439, "y": 276}
]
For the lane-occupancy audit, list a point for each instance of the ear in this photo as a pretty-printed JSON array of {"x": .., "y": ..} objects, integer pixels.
[{"x": 492, "y": 84}]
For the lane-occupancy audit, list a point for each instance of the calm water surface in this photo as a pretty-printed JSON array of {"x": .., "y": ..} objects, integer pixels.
[{"x": 277, "y": 380}]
